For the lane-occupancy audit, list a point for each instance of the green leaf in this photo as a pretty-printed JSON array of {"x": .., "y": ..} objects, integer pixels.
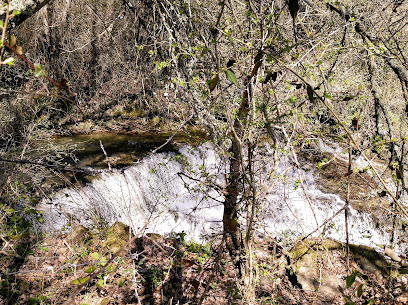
[
  {"x": 213, "y": 83},
  {"x": 32, "y": 301},
  {"x": 90, "y": 269},
  {"x": 95, "y": 255},
  {"x": 327, "y": 95},
  {"x": 231, "y": 77},
  {"x": 350, "y": 280},
  {"x": 39, "y": 71},
  {"x": 15, "y": 13},
  {"x": 103, "y": 261},
  {"x": 99, "y": 283},
  {"x": 348, "y": 301},
  {"x": 360, "y": 290},
  {"x": 84, "y": 279},
  {"x": 1, "y": 24},
  {"x": 75, "y": 282},
  {"x": 9, "y": 61}
]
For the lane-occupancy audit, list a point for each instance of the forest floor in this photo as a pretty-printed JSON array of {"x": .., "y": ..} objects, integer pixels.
[{"x": 159, "y": 270}]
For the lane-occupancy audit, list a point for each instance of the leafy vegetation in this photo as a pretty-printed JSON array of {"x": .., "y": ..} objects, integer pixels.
[{"x": 246, "y": 72}]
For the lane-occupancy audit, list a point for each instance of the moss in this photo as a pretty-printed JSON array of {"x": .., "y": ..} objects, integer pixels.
[
  {"x": 154, "y": 122},
  {"x": 303, "y": 247},
  {"x": 366, "y": 257},
  {"x": 79, "y": 236},
  {"x": 117, "y": 237}
]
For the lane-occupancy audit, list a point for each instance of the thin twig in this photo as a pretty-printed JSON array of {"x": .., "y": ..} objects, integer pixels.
[
  {"x": 347, "y": 204},
  {"x": 172, "y": 136},
  {"x": 401, "y": 208},
  {"x": 106, "y": 155}
]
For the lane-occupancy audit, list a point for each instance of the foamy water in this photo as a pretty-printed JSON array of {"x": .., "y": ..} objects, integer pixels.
[{"x": 171, "y": 193}]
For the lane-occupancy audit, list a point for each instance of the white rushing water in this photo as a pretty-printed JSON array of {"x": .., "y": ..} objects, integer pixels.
[
  {"x": 153, "y": 195},
  {"x": 150, "y": 194}
]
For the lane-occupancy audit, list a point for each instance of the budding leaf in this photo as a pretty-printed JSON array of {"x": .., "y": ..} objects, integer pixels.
[
  {"x": 382, "y": 194},
  {"x": 38, "y": 70},
  {"x": 9, "y": 61},
  {"x": 19, "y": 50},
  {"x": 12, "y": 40}
]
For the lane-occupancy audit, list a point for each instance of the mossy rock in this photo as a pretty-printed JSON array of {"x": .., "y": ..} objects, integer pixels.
[
  {"x": 79, "y": 236},
  {"x": 117, "y": 238},
  {"x": 307, "y": 260},
  {"x": 302, "y": 247},
  {"x": 310, "y": 258},
  {"x": 370, "y": 260}
]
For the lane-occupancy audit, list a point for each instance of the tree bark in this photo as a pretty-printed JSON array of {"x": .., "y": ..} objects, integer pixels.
[{"x": 232, "y": 228}]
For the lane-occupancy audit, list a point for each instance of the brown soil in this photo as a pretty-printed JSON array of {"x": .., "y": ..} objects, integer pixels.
[{"x": 168, "y": 271}]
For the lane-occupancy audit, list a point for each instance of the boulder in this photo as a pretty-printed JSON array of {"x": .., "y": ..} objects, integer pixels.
[
  {"x": 78, "y": 236},
  {"x": 117, "y": 238},
  {"x": 311, "y": 263}
]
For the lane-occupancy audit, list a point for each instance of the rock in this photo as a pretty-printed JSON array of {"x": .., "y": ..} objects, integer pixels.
[
  {"x": 311, "y": 264},
  {"x": 117, "y": 238},
  {"x": 370, "y": 260},
  {"x": 78, "y": 236},
  {"x": 311, "y": 261}
]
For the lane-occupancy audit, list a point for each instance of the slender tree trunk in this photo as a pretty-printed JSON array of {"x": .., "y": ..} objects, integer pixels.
[{"x": 232, "y": 230}]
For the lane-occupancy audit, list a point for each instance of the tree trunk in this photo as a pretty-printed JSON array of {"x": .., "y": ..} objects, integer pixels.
[{"x": 232, "y": 230}]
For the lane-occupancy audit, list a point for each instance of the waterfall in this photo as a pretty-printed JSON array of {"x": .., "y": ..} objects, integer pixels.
[
  {"x": 150, "y": 194},
  {"x": 168, "y": 193}
]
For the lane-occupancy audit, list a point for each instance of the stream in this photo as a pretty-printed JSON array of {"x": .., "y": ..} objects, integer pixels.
[{"x": 170, "y": 192}]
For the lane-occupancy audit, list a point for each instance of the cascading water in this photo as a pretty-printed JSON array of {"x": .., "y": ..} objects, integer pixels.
[
  {"x": 151, "y": 193},
  {"x": 167, "y": 193}
]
